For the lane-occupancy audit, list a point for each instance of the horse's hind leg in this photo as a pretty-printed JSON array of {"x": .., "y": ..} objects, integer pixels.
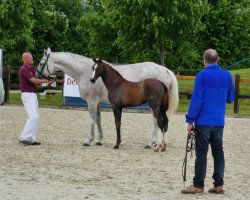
[
  {"x": 159, "y": 143},
  {"x": 164, "y": 144},
  {"x": 162, "y": 122},
  {"x": 164, "y": 130},
  {"x": 99, "y": 126},
  {"x": 152, "y": 141}
]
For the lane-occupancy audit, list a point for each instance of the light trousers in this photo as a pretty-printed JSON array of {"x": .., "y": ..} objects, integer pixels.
[{"x": 30, "y": 103}]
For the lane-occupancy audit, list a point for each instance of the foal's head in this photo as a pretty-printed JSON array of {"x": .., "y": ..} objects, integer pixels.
[{"x": 98, "y": 69}]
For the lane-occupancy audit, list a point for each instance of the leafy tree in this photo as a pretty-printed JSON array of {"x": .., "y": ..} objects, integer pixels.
[
  {"x": 152, "y": 30},
  {"x": 50, "y": 27},
  {"x": 99, "y": 32},
  {"x": 73, "y": 10},
  {"x": 174, "y": 33},
  {"x": 227, "y": 30},
  {"x": 16, "y": 29}
]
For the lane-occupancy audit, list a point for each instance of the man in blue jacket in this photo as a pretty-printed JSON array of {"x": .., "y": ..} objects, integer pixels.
[{"x": 213, "y": 88}]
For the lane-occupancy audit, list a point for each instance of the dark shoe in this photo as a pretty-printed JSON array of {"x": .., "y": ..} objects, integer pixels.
[
  {"x": 26, "y": 142},
  {"x": 192, "y": 190},
  {"x": 36, "y": 143},
  {"x": 217, "y": 190}
]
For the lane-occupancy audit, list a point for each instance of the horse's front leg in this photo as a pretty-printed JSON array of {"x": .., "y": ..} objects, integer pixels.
[
  {"x": 118, "y": 115},
  {"x": 99, "y": 126},
  {"x": 92, "y": 108}
]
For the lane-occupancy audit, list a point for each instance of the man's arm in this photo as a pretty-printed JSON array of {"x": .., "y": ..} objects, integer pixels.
[
  {"x": 196, "y": 100},
  {"x": 231, "y": 92},
  {"x": 40, "y": 81}
]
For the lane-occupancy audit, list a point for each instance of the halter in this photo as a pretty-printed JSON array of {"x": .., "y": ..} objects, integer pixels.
[
  {"x": 41, "y": 71},
  {"x": 93, "y": 66}
]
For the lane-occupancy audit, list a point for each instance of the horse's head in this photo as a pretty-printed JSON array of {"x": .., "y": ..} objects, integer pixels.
[
  {"x": 98, "y": 69},
  {"x": 45, "y": 68}
]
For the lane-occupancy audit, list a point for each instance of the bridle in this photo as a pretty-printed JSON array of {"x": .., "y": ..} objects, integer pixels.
[
  {"x": 93, "y": 66},
  {"x": 45, "y": 65}
]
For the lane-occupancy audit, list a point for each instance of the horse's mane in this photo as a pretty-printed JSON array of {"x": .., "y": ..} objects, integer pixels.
[
  {"x": 109, "y": 66},
  {"x": 77, "y": 57}
]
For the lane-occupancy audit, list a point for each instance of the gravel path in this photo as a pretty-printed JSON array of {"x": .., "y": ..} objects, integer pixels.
[{"x": 61, "y": 168}]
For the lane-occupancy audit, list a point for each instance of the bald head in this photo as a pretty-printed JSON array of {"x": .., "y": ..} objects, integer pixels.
[
  {"x": 210, "y": 56},
  {"x": 27, "y": 58}
]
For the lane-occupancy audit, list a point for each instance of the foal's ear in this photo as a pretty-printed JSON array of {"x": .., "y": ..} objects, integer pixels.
[{"x": 97, "y": 61}]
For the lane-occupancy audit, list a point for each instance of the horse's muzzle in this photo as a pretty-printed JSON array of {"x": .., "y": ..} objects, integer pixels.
[{"x": 92, "y": 80}]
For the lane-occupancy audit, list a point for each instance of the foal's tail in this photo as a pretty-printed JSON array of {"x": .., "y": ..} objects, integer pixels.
[{"x": 173, "y": 94}]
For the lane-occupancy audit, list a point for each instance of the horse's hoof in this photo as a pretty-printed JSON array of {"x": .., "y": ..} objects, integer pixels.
[
  {"x": 147, "y": 147},
  {"x": 98, "y": 144},
  {"x": 164, "y": 146},
  {"x": 116, "y": 147},
  {"x": 86, "y": 145}
]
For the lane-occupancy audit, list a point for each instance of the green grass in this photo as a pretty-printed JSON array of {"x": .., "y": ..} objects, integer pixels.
[
  {"x": 50, "y": 100},
  {"x": 244, "y": 73},
  {"x": 184, "y": 86}
]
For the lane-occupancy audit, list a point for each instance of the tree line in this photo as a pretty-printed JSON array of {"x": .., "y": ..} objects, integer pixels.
[{"x": 173, "y": 33}]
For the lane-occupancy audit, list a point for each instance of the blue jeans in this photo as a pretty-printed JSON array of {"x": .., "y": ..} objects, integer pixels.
[{"x": 204, "y": 136}]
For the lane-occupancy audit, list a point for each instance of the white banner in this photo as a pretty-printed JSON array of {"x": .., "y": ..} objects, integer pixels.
[{"x": 70, "y": 88}]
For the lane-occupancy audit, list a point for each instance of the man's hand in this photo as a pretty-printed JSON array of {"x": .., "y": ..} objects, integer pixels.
[
  {"x": 190, "y": 128},
  {"x": 51, "y": 81},
  {"x": 59, "y": 81}
]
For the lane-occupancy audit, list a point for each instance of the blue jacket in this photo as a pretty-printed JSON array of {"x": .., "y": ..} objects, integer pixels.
[{"x": 213, "y": 88}]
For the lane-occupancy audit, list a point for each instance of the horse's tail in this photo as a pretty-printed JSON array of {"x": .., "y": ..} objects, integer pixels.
[{"x": 173, "y": 94}]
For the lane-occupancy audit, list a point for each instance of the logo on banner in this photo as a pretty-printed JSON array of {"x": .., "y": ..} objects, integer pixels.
[{"x": 70, "y": 88}]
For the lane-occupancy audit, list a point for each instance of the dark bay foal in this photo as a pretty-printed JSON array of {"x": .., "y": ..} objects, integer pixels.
[{"x": 123, "y": 93}]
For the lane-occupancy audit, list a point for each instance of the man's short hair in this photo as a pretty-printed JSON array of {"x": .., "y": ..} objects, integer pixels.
[{"x": 211, "y": 56}]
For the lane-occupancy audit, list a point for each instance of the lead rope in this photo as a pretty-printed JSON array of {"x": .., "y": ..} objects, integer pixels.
[{"x": 190, "y": 146}]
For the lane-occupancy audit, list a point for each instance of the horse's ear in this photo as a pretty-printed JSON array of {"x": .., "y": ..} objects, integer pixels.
[{"x": 94, "y": 60}]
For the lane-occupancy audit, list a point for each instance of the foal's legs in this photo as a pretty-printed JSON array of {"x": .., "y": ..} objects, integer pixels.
[
  {"x": 162, "y": 122},
  {"x": 164, "y": 132},
  {"x": 159, "y": 143},
  {"x": 118, "y": 114},
  {"x": 153, "y": 138}
]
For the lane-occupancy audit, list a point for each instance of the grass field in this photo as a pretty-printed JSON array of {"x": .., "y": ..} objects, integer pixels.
[{"x": 184, "y": 86}]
